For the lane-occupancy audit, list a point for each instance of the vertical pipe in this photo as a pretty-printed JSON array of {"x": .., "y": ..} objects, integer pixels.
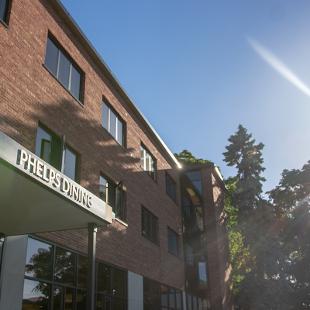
[{"x": 92, "y": 232}]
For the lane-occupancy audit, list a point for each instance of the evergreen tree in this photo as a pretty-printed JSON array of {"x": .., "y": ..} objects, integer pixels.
[
  {"x": 248, "y": 233},
  {"x": 246, "y": 156}
]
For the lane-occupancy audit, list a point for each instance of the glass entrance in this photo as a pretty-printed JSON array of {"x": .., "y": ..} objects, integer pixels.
[{"x": 56, "y": 279}]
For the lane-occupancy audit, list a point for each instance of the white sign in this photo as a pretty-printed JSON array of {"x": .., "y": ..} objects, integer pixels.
[
  {"x": 53, "y": 178},
  {"x": 35, "y": 167}
]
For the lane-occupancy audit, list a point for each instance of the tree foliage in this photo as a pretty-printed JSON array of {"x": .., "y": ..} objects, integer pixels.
[
  {"x": 269, "y": 235},
  {"x": 187, "y": 158},
  {"x": 240, "y": 257}
]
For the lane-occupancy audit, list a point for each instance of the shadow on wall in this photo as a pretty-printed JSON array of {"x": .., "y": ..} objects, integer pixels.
[{"x": 98, "y": 152}]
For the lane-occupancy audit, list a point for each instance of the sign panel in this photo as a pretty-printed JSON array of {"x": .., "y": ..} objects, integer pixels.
[{"x": 47, "y": 175}]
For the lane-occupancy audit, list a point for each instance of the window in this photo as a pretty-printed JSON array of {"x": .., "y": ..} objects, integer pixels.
[
  {"x": 149, "y": 225},
  {"x": 173, "y": 242},
  {"x": 113, "y": 123},
  {"x": 171, "y": 299},
  {"x": 113, "y": 195},
  {"x": 151, "y": 294},
  {"x": 48, "y": 147},
  {"x": 202, "y": 272},
  {"x": 4, "y": 10},
  {"x": 148, "y": 162},
  {"x": 82, "y": 266},
  {"x": 171, "y": 187},
  {"x": 196, "y": 303},
  {"x": 51, "y": 149},
  {"x": 54, "y": 275},
  {"x": 64, "y": 268},
  {"x": 39, "y": 260},
  {"x": 111, "y": 287},
  {"x": 56, "y": 278},
  {"x": 157, "y": 296},
  {"x": 63, "y": 68},
  {"x": 36, "y": 295},
  {"x": 70, "y": 163},
  {"x": 195, "y": 177}
]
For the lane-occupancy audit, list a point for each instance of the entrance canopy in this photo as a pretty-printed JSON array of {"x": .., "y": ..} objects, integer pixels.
[{"x": 35, "y": 197}]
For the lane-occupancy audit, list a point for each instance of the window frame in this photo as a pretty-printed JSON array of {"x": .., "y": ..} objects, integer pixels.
[
  {"x": 72, "y": 62},
  {"x": 146, "y": 151},
  {"x": 153, "y": 219},
  {"x": 118, "y": 119},
  {"x": 158, "y": 288},
  {"x": 169, "y": 232},
  {"x": 168, "y": 176},
  {"x": 52, "y": 283},
  {"x": 77, "y": 162},
  {"x": 112, "y": 270},
  {"x": 117, "y": 186},
  {"x": 62, "y": 152}
]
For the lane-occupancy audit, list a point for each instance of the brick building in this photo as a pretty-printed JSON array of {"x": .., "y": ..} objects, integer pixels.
[{"x": 92, "y": 202}]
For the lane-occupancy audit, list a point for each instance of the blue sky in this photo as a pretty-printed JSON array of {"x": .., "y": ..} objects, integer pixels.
[{"x": 192, "y": 70}]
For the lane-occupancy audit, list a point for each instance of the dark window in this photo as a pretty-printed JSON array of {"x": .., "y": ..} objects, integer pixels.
[
  {"x": 58, "y": 295},
  {"x": 151, "y": 294},
  {"x": 113, "y": 123},
  {"x": 171, "y": 187},
  {"x": 195, "y": 178},
  {"x": 36, "y": 295},
  {"x": 51, "y": 58},
  {"x": 164, "y": 297},
  {"x": 63, "y": 68},
  {"x": 64, "y": 269},
  {"x": 70, "y": 163},
  {"x": 104, "y": 278},
  {"x": 50, "y": 148},
  {"x": 172, "y": 298},
  {"x": 189, "y": 302},
  {"x": 114, "y": 195},
  {"x": 148, "y": 162},
  {"x": 111, "y": 288},
  {"x": 195, "y": 303},
  {"x": 149, "y": 225},
  {"x": 159, "y": 296},
  {"x": 4, "y": 10},
  {"x": 173, "y": 242},
  {"x": 67, "y": 288},
  {"x": 178, "y": 300},
  {"x": 82, "y": 271},
  {"x": 53, "y": 276},
  {"x": 39, "y": 260},
  {"x": 81, "y": 299}
]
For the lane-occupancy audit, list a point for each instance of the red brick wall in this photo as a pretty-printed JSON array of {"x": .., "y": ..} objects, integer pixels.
[
  {"x": 30, "y": 94},
  {"x": 217, "y": 242}
]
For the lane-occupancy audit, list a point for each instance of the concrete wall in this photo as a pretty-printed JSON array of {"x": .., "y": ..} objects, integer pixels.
[
  {"x": 135, "y": 291},
  {"x": 12, "y": 272}
]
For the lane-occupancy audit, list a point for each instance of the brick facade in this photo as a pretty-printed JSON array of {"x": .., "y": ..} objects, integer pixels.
[{"x": 29, "y": 95}]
